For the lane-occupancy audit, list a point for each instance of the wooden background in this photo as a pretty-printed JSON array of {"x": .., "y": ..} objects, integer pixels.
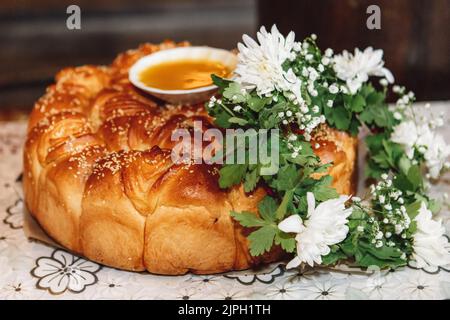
[
  {"x": 414, "y": 34},
  {"x": 35, "y": 42}
]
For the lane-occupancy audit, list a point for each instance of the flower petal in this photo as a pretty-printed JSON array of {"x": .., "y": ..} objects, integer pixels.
[
  {"x": 311, "y": 203},
  {"x": 292, "y": 224},
  {"x": 293, "y": 263}
]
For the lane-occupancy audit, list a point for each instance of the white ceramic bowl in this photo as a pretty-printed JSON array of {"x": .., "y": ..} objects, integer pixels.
[{"x": 190, "y": 96}]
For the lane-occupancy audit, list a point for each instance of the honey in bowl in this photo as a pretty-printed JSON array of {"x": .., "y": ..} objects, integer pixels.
[{"x": 183, "y": 74}]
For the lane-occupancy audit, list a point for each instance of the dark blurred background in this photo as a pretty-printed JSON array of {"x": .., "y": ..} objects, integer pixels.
[{"x": 35, "y": 42}]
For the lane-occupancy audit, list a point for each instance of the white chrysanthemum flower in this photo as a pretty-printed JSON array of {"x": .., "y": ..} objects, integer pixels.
[
  {"x": 406, "y": 134},
  {"x": 326, "y": 225},
  {"x": 260, "y": 64},
  {"x": 356, "y": 68},
  {"x": 434, "y": 148},
  {"x": 431, "y": 247}
]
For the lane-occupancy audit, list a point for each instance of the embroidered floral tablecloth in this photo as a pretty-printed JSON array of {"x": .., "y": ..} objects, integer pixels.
[{"x": 33, "y": 270}]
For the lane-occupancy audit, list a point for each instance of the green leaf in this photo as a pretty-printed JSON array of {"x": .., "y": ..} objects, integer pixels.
[
  {"x": 234, "y": 93},
  {"x": 267, "y": 208},
  {"x": 413, "y": 209},
  {"x": 373, "y": 170},
  {"x": 261, "y": 240},
  {"x": 366, "y": 90},
  {"x": 354, "y": 126},
  {"x": 382, "y": 159},
  {"x": 232, "y": 174},
  {"x": 402, "y": 182},
  {"x": 248, "y": 219},
  {"x": 334, "y": 256},
  {"x": 220, "y": 82},
  {"x": 286, "y": 241},
  {"x": 358, "y": 103},
  {"x": 221, "y": 118},
  {"x": 256, "y": 103},
  {"x": 348, "y": 247},
  {"x": 378, "y": 115},
  {"x": 341, "y": 117},
  {"x": 375, "y": 142},
  {"x": 412, "y": 227},
  {"x": 251, "y": 179},
  {"x": 404, "y": 164},
  {"x": 375, "y": 98},
  {"x": 368, "y": 260},
  {"x": 239, "y": 121},
  {"x": 415, "y": 177},
  {"x": 322, "y": 190},
  {"x": 287, "y": 178},
  {"x": 322, "y": 193},
  {"x": 282, "y": 209},
  {"x": 383, "y": 117},
  {"x": 434, "y": 205}
]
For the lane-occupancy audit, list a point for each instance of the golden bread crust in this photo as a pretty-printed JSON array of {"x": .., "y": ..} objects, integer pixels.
[{"x": 99, "y": 179}]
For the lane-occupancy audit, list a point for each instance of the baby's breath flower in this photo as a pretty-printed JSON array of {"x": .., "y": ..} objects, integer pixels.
[
  {"x": 333, "y": 89},
  {"x": 315, "y": 109},
  {"x": 325, "y": 61},
  {"x": 384, "y": 82},
  {"x": 305, "y": 72},
  {"x": 313, "y": 75},
  {"x": 344, "y": 89},
  {"x": 307, "y": 136}
]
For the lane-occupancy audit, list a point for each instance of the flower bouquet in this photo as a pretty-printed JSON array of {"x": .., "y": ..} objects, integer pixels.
[{"x": 293, "y": 86}]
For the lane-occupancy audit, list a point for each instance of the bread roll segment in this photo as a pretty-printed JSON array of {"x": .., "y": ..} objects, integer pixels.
[{"x": 99, "y": 178}]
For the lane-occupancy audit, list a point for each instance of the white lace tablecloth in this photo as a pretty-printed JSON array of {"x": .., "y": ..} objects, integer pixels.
[{"x": 33, "y": 270}]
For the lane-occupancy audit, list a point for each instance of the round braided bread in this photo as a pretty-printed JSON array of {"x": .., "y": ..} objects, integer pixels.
[{"x": 99, "y": 179}]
